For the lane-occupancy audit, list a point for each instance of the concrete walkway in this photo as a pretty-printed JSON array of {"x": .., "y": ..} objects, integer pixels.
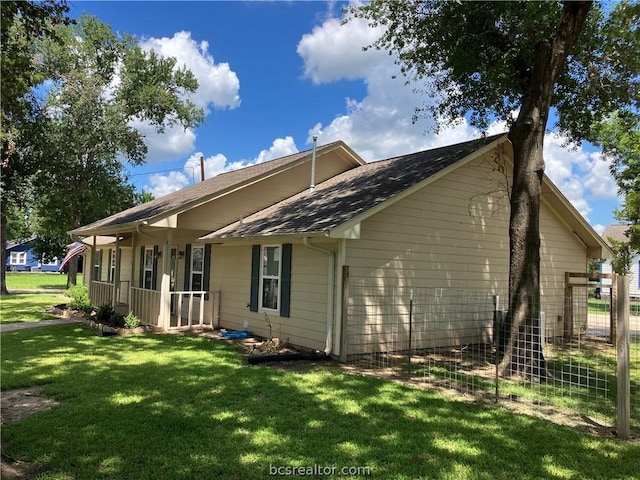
[{"x": 11, "y": 327}]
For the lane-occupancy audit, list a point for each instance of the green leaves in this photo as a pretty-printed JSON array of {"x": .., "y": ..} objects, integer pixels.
[
  {"x": 482, "y": 54},
  {"x": 104, "y": 88},
  {"x": 155, "y": 90}
]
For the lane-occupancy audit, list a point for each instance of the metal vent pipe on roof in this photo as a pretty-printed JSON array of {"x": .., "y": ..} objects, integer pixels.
[{"x": 313, "y": 165}]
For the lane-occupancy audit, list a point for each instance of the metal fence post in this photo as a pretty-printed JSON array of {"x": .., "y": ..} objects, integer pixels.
[{"x": 623, "y": 361}]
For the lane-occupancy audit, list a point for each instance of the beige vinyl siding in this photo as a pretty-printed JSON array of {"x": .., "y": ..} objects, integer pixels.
[
  {"x": 252, "y": 198},
  {"x": 306, "y": 326},
  {"x": 453, "y": 234},
  {"x": 560, "y": 251}
]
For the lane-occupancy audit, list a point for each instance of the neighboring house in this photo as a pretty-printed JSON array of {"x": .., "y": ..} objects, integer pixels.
[
  {"x": 20, "y": 257},
  {"x": 260, "y": 243},
  {"x": 617, "y": 233}
]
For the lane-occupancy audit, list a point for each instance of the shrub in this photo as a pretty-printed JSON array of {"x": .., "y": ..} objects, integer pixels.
[
  {"x": 104, "y": 313},
  {"x": 131, "y": 321},
  {"x": 79, "y": 298},
  {"x": 116, "y": 320}
]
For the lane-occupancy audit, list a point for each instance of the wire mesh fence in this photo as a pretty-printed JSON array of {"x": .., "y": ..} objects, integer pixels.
[{"x": 455, "y": 339}]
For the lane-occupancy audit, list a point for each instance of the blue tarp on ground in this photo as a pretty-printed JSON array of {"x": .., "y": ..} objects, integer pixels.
[{"x": 236, "y": 335}]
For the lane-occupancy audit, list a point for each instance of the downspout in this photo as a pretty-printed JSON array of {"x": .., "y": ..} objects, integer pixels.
[{"x": 330, "y": 291}]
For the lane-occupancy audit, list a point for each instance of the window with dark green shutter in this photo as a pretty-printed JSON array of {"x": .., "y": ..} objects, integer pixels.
[{"x": 271, "y": 278}]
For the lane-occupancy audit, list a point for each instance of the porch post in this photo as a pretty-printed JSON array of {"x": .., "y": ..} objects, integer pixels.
[
  {"x": 134, "y": 248},
  {"x": 165, "y": 284},
  {"x": 91, "y": 268},
  {"x": 116, "y": 274}
]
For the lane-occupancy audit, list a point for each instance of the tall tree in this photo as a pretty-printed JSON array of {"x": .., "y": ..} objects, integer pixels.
[
  {"x": 23, "y": 24},
  {"x": 485, "y": 60},
  {"x": 620, "y": 138},
  {"x": 103, "y": 85}
]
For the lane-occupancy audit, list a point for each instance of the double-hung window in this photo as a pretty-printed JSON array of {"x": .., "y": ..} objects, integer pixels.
[
  {"x": 270, "y": 277},
  {"x": 197, "y": 268},
  {"x": 112, "y": 266},
  {"x": 18, "y": 258},
  {"x": 148, "y": 269},
  {"x": 97, "y": 267}
]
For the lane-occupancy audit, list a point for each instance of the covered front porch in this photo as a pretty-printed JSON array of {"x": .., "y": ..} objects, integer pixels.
[
  {"x": 143, "y": 273},
  {"x": 186, "y": 308}
]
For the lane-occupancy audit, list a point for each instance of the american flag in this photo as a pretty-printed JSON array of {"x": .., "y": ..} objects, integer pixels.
[{"x": 76, "y": 249}]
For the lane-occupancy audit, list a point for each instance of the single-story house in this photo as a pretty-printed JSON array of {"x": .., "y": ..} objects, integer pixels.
[
  {"x": 618, "y": 233},
  {"x": 264, "y": 247},
  {"x": 20, "y": 257}
]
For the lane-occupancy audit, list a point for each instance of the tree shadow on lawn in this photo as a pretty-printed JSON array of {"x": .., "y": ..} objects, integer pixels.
[{"x": 159, "y": 406}]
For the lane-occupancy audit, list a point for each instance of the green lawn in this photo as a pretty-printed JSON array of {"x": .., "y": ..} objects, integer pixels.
[
  {"x": 184, "y": 407},
  {"x": 28, "y": 307},
  {"x": 600, "y": 306},
  {"x": 29, "y": 281}
]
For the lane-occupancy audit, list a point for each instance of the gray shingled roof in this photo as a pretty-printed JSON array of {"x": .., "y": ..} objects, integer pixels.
[
  {"x": 199, "y": 193},
  {"x": 617, "y": 232},
  {"x": 343, "y": 197}
]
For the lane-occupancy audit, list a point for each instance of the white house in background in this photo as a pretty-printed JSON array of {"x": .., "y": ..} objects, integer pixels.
[
  {"x": 617, "y": 232},
  {"x": 271, "y": 240}
]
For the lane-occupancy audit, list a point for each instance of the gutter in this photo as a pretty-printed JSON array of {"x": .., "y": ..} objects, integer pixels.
[
  {"x": 147, "y": 234},
  {"x": 330, "y": 291}
]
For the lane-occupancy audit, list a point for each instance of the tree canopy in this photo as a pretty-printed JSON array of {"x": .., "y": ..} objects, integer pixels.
[{"x": 84, "y": 127}]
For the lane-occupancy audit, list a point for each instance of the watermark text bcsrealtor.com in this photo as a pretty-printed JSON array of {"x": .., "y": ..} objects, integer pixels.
[{"x": 317, "y": 471}]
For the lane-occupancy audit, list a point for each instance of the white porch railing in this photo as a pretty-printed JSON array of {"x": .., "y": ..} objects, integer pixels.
[
  {"x": 101, "y": 293},
  {"x": 188, "y": 309},
  {"x": 145, "y": 304}
]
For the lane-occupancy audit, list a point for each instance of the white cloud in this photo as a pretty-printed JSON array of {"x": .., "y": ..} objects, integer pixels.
[
  {"x": 214, "y": 165},
  {"x": 334, "y": 51},
  {"x": 279, "y": 148},
  {"x": 174, "y": 143},
  {"x": 218, "y": 87},
  {"x": 599, "y": 228},
  {"x": 581, "y": 175},
  {"x": 164, "y": 184},
  {"x": 379, "y": 125}
]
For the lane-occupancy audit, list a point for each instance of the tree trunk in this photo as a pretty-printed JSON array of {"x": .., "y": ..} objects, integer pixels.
[
  {"x": 3, "y": 246},
  {"x": 523, "y": 351},
  {"x": 72, "y": 272}
]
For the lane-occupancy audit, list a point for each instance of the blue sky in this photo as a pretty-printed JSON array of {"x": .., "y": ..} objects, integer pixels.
[{"x": 274, "y": 73}]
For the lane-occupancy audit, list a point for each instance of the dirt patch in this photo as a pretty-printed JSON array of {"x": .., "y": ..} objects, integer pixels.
[
  {"x": 16, "y": 405},
  {"x": 21, "y": 403}
]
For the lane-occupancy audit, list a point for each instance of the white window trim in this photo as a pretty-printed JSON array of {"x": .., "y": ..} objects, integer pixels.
[
  {"x": 18, "y": 258},
  {"x": 192, "y": 270},
  {"x": 262, "y": 276},
  {"x": 52, "y": 263}
]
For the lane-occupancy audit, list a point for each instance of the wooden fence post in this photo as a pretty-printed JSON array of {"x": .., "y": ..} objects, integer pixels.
[
  {"x": 567, "y": 333},
  {"x": 623, "y": 361}
]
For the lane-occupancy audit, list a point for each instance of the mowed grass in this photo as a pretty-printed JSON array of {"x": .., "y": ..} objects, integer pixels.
[
  {"x": 596, "y": 305},
  {"x": 185, "y": 407},
  {"x": 41, "y": 281},
  {"x": 28, "y": 307}
]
